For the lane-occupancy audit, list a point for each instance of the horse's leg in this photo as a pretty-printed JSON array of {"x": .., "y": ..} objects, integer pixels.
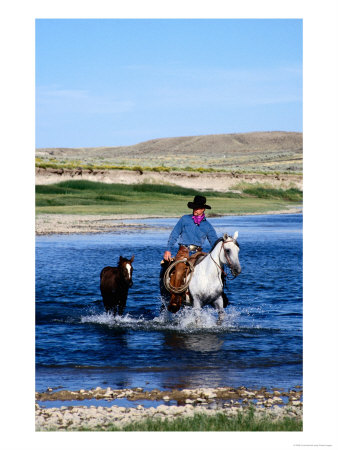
[
  {"x": 106, "y": 303},
  {"x": 218, "y": 305},
  {"x": 225, "y": 300},
  {"x": 197, "y": 309},
  {"x": 122, "y": 304},
  {"x": 114, "y": 306}
]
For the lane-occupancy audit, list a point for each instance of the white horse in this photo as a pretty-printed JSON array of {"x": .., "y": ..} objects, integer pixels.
[
  {"x": 205, "y": 281},
  {"x": 206, "y": 284}
]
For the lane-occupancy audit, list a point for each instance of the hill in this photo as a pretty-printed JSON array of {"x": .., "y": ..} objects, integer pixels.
[{"x": 259, "y": 151}]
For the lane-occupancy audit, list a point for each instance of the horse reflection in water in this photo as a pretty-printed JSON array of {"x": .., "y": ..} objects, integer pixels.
[
  {"x": 195, "y": 342},
  {"x": 205, "y": 281}
]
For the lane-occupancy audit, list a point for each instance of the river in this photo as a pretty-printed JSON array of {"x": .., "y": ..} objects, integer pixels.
[{"x": 79, "y": 346}]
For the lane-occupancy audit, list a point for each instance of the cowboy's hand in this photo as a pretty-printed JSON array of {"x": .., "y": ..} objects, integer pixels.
[{"x": 167, "y": 255}]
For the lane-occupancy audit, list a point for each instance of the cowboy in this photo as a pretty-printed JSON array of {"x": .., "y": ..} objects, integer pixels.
[{"x": 190, "y": 232}]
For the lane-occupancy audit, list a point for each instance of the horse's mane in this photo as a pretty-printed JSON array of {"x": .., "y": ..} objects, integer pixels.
[
  {"x": 221, "y": 239},
  {"x": 216, "y": 242}
]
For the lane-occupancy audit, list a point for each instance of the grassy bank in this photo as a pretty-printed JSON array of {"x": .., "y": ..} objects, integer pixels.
[
  {"x": 87, "y": 197},
  {"x": 218, "y": 422}
]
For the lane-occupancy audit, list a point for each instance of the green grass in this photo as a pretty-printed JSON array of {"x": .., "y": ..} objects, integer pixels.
[
  {"x": 88, "y": 197},
  {"x": 218, "y": 422},
  {"x": 291, "y": 195}
]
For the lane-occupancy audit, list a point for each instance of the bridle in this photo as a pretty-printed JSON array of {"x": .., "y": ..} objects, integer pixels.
[{"x": 230, "y": 265}]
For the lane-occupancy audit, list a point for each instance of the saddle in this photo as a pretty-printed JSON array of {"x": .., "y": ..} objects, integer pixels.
[{"x": 179, "y": 276}]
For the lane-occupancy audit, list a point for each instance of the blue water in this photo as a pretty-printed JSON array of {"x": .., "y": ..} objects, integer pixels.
[{"x": 259, "y": 344}]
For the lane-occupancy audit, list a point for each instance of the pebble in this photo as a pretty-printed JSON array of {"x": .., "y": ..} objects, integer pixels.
[
  {"x": 73, "y": 418},
  {"x": 210, "y": 394}
]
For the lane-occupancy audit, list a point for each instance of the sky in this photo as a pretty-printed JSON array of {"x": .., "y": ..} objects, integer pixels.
[{"x": 112, "y": 82}]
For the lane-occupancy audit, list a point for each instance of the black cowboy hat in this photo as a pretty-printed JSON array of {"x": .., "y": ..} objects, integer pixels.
[{"x": 198, "y": 203}]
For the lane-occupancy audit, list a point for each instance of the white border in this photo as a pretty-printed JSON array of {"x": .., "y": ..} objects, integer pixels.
[{"x": 320, "y": 214}]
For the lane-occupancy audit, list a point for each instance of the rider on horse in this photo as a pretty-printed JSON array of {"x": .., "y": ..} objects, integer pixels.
[{"x": 190, "y": 232}]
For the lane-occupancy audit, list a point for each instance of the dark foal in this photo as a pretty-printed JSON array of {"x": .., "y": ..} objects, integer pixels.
[{"x": 114, "y": 285}]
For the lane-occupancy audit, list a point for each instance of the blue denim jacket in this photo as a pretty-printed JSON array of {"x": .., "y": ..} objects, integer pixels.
[{"x": 186, "y": 232}]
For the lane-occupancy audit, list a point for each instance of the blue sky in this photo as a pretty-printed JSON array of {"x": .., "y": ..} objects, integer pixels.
[{"x": 108, "y": 82}]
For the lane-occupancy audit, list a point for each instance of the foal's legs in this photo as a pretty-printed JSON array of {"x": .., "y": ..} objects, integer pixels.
[{"x": 121, "y": 306}]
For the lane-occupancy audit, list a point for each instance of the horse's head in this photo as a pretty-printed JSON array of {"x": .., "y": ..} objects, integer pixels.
[
  {"x": 229, "y": 256},
  {"x": 126, "y": 268}
]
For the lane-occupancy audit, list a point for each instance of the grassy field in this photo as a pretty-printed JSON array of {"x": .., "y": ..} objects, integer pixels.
[
  {"x": 218, "y": 422},
  {"x": 87, "y": 197}
]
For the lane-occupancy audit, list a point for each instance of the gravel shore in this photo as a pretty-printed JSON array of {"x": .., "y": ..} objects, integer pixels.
[
  {"x": 75, "y": 223},
  {"x": 81, "y": 224},
  {"x": 275, "y": 405}
]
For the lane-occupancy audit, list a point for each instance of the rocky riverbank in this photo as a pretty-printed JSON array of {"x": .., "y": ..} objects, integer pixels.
[{"x": 275, "y": 405}]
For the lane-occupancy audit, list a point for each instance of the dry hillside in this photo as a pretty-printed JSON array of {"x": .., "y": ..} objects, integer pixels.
[{"x": 268, "y": 151}]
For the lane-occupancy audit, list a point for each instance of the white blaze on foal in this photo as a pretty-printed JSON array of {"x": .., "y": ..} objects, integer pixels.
[{"x": 128, "y": 267}]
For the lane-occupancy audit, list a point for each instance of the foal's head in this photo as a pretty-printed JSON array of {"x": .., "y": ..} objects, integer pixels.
[{"x": 125, "y": 265}]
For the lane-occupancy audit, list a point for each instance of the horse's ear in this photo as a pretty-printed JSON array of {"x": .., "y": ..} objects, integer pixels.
[
  {"x": 121, "y": 258},
  {"x": 236, "y": 235},
  {"x": 225, "y": 236},
  {"x": 132, "y": 258}
]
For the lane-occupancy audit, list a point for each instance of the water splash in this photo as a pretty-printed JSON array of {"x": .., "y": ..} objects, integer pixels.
[{"x": 187, "y": 321}]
